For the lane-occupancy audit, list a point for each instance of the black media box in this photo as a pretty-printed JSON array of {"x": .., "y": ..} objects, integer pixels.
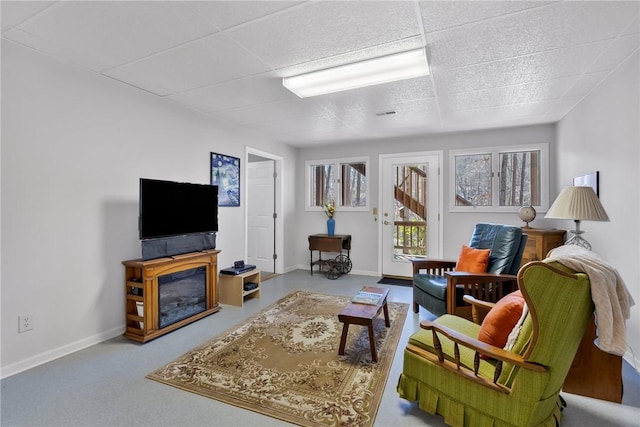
[{"x": 235, "y": 271}]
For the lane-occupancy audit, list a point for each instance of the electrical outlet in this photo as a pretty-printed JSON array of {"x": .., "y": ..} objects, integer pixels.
[{"x": 25, "y": 323}]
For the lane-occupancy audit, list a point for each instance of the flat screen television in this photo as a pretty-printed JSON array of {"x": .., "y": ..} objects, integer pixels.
[{"x": 170, "y": 208}]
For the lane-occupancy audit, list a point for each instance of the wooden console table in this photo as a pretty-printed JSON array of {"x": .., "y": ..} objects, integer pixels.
[{"x": 325, "y": 243}]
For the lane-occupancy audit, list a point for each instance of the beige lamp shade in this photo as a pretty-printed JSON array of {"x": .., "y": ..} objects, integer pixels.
[{"x": 577, "y": 203}]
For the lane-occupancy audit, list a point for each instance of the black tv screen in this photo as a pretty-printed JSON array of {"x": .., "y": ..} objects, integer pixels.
[{"x": 170, "y": 208}]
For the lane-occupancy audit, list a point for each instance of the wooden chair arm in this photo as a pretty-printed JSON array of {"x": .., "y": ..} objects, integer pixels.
[
  {"x": 484, "y": 286},
  {"x": 432, "y": 266},
  {"x": 479, "y": 308},
  {"x": 485, "y": 305},
  {"x": 463, "y": 276},
  {"x": 478, "y": 346}
]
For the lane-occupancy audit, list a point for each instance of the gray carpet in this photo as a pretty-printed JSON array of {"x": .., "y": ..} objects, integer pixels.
[
  {"x": 395, "y": 281},
  {"x": 105, "y": 385}
]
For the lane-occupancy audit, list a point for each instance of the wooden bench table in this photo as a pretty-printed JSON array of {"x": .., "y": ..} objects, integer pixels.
[{"x": 363, "y": 314}]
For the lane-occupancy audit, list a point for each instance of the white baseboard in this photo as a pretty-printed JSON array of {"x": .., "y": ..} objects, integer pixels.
[
  {"x": 48, "y": 356},
  {"x": 631, "y": 358},
  {"x": 358, "y": 272}
]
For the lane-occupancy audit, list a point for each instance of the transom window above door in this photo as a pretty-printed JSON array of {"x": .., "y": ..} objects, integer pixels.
[{"x": 341, "y": 181}]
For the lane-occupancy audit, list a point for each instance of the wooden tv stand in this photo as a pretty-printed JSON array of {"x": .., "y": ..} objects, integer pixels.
[{"x": 142, "y": 314}]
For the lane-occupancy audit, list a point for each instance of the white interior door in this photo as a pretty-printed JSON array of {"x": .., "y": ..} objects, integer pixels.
[
  {"x": 260, "y": 210},
  {"x": 410, "y": 210}
]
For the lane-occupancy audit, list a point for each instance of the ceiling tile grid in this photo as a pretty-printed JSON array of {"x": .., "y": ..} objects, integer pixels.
[
  {"x": 196, "y": 64},
  {"x": 493, "y": 63}
]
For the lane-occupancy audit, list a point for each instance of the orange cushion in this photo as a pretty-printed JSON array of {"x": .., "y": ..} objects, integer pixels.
[
  {"x": 473, "y": 260},
  {"x": 501, "y": 320}
]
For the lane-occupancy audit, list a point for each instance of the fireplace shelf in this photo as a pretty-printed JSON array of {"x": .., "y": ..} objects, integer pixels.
[{"x": 142, "y": 292}]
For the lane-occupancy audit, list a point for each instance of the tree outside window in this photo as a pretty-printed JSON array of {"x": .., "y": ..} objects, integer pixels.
[
  {"x": 342, "y": 181},
  {"x": 500, "y": 179}
]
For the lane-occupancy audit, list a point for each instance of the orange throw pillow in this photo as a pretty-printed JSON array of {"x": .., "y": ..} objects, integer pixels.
[
  {"x": 473, "y": 260},
  {"x": 501, "y": 320}
]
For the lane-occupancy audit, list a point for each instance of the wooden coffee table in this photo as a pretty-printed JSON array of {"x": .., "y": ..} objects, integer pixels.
[{"x": 363, "y": 314}]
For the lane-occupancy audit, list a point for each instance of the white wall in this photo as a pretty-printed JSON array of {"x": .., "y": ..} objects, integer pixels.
[
  {"x": 361, "y": 225},
  {"x": 74, "y": 145},
  {"x": 603, "y": 134}
]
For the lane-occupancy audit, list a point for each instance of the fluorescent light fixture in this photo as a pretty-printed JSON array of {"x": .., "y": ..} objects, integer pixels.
[{"x": 385, "y": 69}]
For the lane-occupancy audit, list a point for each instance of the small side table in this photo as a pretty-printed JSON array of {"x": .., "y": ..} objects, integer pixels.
[
  {"x": 363, "y": 314},
  {"x": 539, "y": 242},
  {"x": 325, "y": 243},
  {"x": 232, "y": 287}
]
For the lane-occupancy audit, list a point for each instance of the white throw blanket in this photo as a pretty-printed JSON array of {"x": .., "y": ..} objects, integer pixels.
[{"x": 608, "y": 292}]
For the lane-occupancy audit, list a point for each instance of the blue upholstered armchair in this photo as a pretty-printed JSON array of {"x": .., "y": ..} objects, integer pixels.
[{"x": 440, "y": 289}]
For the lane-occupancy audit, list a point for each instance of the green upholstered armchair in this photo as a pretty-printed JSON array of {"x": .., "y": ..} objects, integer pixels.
[
  {"x": 440, "y": 289},
  {"x": 443, "y": 372}
]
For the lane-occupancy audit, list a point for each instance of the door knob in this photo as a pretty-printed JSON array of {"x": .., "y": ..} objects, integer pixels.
[{"x": 386, "y": 223}]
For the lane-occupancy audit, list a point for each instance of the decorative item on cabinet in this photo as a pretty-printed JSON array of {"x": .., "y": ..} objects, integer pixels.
[{"x": 527, "y": 214}]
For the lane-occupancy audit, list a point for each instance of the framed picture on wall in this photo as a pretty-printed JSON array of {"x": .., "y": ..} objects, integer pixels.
[
  {"x": 225, "y": 173},
  {"x": 589, "y": 180}
]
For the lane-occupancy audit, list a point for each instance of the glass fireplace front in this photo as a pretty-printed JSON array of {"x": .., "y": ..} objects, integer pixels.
[{"x": 181, "y": 295}]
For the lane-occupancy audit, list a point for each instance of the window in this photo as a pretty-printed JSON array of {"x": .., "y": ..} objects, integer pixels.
[
  {"x": 342, "y": 181},
  {"x": 500, "y": 179}
]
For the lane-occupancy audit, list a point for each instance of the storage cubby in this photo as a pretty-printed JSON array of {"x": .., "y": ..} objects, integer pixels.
[
  {"x": 232, "y": 287},
  {"x": 142, "y": 292}
]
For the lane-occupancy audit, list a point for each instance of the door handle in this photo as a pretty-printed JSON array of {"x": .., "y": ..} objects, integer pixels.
[{"x": 386, "y": 223}]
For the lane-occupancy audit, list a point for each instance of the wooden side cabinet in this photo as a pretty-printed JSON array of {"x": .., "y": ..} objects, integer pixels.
[
  {"x": 164, "y": 294},
  {"x": 595, "y": 373},
  {"x": 540, "y": 242},
  {"x": 232, "y": 287}
]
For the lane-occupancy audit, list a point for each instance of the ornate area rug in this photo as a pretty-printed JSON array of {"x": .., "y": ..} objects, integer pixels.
[{"x": 284, "y": 363}]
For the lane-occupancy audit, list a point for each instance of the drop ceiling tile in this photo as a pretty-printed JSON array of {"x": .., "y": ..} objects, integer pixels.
[
  {"x": 507, "y": 95},
  {"x": 499, "y": 113},
  {"x": 524, "y": 69},
  {"x": 206, "y": 61},
  {"x": 16, "y": 12},
  {"x": 186, "y": 52},
  {"x": 139, "y": 81},
  {"x": 378, "y": 97},
  {"x": 226, "y": 14},
  {"x": 440, "y": 15},
  {"x": 541, "y": 29},
  {"x": 410, "y": 115},
  {"x": 410, "y": 43},
  {"x": 619, "y": 49},
  {"x": 258, "y": 89},
  {"x": 299, "y": 124},
  {"x": 634, "y": 27},
  {"x": 586, "y": 84},
  {"x": 561, "y": 107},
  {"x": 324, "y": 29},
  {"x": 320, "y": 135},
  {"x": 269, "y": 111},
  {"x": 61, "y": 51},
  {"x": 117, "y": 32}
]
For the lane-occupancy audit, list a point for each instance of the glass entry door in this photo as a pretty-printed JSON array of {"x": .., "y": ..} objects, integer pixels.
[{"x": 410, "y": 210}]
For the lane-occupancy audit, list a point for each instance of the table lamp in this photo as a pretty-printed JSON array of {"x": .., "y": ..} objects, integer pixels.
[{"x": 578, "y": 204}]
